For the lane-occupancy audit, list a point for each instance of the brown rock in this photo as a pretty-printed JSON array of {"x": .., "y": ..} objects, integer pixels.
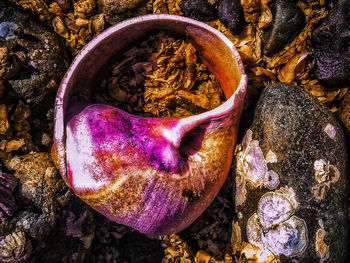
[
  {"x": 117, "y": 10},
  {"x": 344, "y": 111}
]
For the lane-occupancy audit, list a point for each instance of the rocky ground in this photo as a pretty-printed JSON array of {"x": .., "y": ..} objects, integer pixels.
[{"x": 305, "y": 43}]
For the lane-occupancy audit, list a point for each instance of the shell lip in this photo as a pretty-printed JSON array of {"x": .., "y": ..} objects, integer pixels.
[{"x": 224, "y": 109}]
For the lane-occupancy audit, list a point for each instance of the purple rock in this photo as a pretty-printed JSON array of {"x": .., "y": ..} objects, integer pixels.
[
  {"x": 331, "y": 45},
  {"x": 230, "y": 13},
  {"x": 7, "y": 201},
  {"x": 198, "y": 9}
]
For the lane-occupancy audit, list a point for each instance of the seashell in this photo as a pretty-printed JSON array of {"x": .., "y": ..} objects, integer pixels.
[{"x": 156, "y": 175}]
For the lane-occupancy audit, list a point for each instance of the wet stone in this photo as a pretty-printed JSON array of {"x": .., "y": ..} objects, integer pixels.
[
  {"x": 198, "y": 9},
  {"x": 118, "y": 10},
  {"x": 35, "y": 59},
  {"x": 331, "y": 46},
  {"x": 287, "y": 23},
  {"x": 230, "y": 13},
  {"x": 298, "y": 144}
]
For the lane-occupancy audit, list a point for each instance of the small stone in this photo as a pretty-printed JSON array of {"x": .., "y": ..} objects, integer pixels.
[
  {"x": 198, "y": 9},
  {"x": 4, "y": 124},
  {"x": 331, "y": 46},
  {"x": 7, "y": 201},
  {"x": 310, "y": 165},
  {"x": 15, "y": 248},
  {"x": 118, "y": 10},
  {"x": 288, "y": 21},
  {"x": 14, "y": 145},
  {"x": 230, "y": 13}
]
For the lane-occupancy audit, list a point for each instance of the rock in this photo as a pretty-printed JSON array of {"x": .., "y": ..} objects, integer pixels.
[
  {"x": 344, "y": 111},
  {"x": 35, "y": 60},
  {"x": 331, "y": 46},
  {"x": 38, "y": 193},
  {"x": 15, "y": 248},
  {"x": 288, "y": 21},
  {"x": 198, "y": 9},
  {"x": 230, "y": 13},
  {"x": 7, "y": 201},
  {"x": 291, "y": 180},
  {"x": 118, "y": 10}
]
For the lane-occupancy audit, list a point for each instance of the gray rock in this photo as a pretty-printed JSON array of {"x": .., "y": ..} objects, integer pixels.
[
  {"x": 291, "y": 179},
  {"x": 287, "y": 23},
  {"x": 36, "y": 51},
  {"x": 118, "y": 10},
  {"x": 198, "y": 9},
  {"x": 230, "y": 13},
  {"x": 331, "y": 46}
]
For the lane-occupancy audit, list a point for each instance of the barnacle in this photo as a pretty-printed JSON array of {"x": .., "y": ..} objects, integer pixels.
[
  {"x": 325, "y": 175},
  {"x": 275, "y": 228},
  {"x": 251, "y": 168}
]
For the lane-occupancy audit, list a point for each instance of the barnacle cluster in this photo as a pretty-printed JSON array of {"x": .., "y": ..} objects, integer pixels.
[
  {"x": 275, "y": 228},
  {"x": 251, "y": 168}
]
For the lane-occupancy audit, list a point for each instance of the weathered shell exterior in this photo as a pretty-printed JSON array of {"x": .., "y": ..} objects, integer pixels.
[{"x": 156, "y": 175}]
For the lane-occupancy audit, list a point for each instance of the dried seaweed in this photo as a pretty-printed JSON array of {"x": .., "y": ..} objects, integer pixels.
[{"x": 162, "y": 77}]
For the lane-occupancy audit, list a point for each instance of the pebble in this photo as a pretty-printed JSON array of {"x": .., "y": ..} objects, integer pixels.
[
  {"x": 118, "y": 10},
  {"x": 230, "y": 13},
  {"x": 331, "y": 46},
  {"x": 198, "y": 9},
  {"x": 288, "y": 21},
  {"x": 291, "y": 179}
]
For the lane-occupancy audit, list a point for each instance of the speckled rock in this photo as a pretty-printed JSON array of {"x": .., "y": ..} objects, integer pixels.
[
  {"x": 230, "y": 13},
  {"x": 288, "y": 21},
  {"x": 198, "y": 9},
  {"x": 34, "y": 51},
  {"x": 344, "y": 111},
  {"x": 118, "y": 10},
  {"x": 331, "y": 46},
  {"x": 39, "y": 190},
  {"x": 291, "y": 180}
]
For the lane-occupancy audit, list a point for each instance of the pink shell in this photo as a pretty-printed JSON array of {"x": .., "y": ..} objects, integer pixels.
[{"x": 137, "y": 170}]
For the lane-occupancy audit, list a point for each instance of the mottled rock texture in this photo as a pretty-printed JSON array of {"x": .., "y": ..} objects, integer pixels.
[
  {"x": 331, "y": 46},
  {"x": 118, "y": 10},
  {"x": 198, "y": 9},
  {"x": 34, "y": 51},
  {"x": 344, "y": 111},
  {"x": 288, "y": 21},
  {"x": 230, "y": 13},
  {"x": 291, "y": 179}
]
